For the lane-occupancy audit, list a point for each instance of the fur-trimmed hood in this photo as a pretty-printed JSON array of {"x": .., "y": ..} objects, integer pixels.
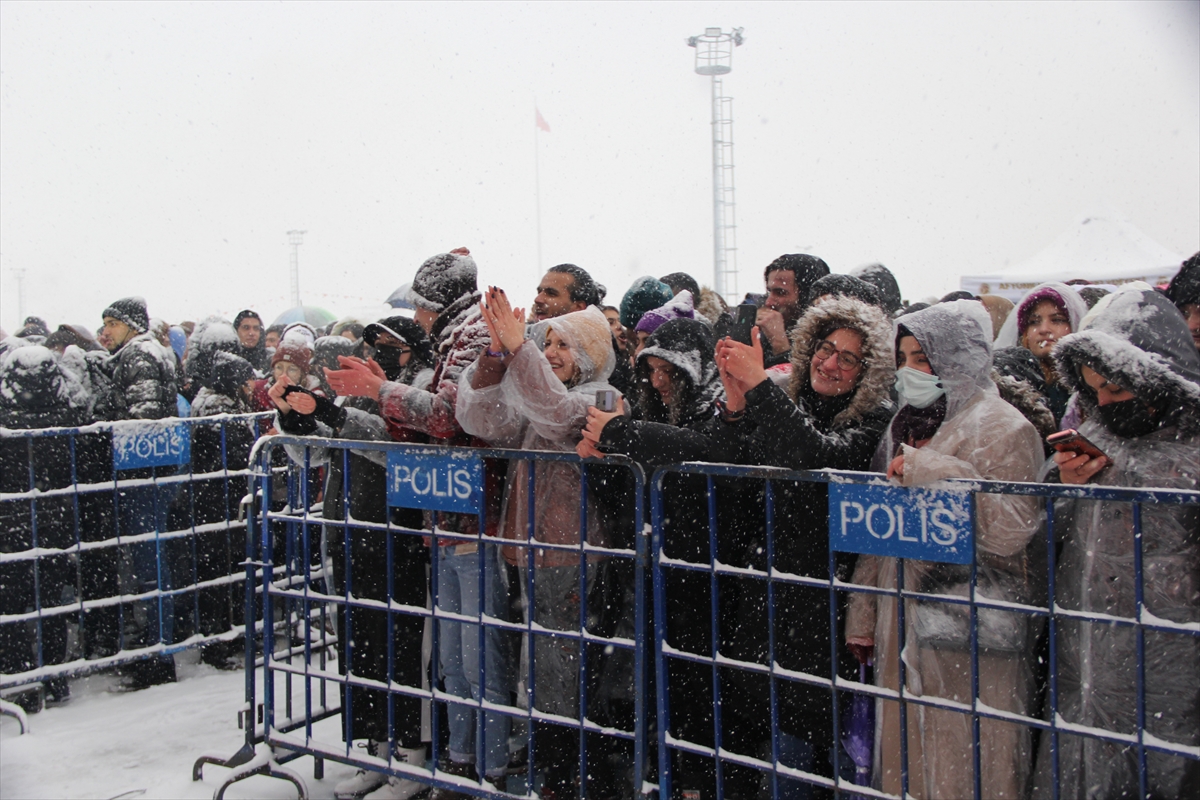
[
  {"x": 874, "y": 387},
  {"x": 1141, "y": 343}
]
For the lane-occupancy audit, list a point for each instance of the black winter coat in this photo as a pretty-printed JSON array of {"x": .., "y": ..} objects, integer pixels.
[
  {"x": 144, "y": 383},
  {"x": 799, "y": 429}
]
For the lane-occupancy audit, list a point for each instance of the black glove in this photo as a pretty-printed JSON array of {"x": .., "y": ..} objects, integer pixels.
[
  {"x": 330, "y": 413},
  {"x": 297, "y": 424}
]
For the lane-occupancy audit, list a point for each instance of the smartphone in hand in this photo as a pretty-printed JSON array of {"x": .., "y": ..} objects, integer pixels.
[
  {"x": 1071, "y": 440},
  {"x": 743, "y": 321},
  {"x": 606, "y": 400}
]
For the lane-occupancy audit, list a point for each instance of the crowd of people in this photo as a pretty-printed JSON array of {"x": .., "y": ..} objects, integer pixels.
[{"x": 835, "y": 371}]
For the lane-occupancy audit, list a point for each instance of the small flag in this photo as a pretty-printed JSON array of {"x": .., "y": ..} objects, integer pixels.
[{"x": 541, "y": 121}]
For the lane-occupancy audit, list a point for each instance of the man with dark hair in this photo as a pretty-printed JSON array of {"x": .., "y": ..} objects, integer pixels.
[
  {"x": 272, "y": 335},
  {"x": 566, "y": 288},
  {"x": 249, "y": 327},
  {"x": 678, "y": 281},
  {"x": 788, "y": 279}
]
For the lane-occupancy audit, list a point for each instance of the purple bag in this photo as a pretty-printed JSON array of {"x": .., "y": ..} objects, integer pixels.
[{"x": 858, "y": 732}]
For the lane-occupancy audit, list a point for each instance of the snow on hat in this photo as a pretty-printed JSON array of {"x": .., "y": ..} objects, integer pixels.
[
  {"x": 131, "y": 311},
  {"x": 34, "y": 326},
  {"x": 680, "y": 307},
  {"x": 443, "y": 279},
  {"x": 31, "y": 379},
  {"x": 588, "y": 334},
  {"x": 301, "y": 332},
  {"x": 645, "y": 294},
  {"x": 294, "y": 350}
]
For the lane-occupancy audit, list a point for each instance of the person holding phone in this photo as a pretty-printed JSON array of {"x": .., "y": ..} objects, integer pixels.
[
  {"x": 829, "y": 412},
  {"x": 1137, "y": 377},
  {"x": 678, "y": 389}
]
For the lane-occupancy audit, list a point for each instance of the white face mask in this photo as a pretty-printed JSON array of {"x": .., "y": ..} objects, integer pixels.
[{"x": 918, "y": 389}]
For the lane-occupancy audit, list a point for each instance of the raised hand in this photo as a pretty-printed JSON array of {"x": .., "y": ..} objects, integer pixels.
[
  {"x": 276, "y": 393},
  {"x": 742, "y": 363},
  {"x": 355, "y": 378},
  {"x": 597, "y": 419},
  {"x": 506, "y": 324}
]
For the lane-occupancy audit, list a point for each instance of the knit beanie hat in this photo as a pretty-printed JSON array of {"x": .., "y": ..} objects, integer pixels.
[
  {"x": 294, "y": 350},
  {"x": 34, "y": 326},
  {"x": 131, "y": 311},
  {"x": 588, "y": 334},
  {"x": 1030, "y": 301},
  {"x": 443, "y": 279},
  {"x": 680, "y": 307},
  {"x": 645, "y": 294}
]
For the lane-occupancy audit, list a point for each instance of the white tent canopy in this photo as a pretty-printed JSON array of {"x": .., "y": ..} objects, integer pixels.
[{"x": 1098, "y": 249}]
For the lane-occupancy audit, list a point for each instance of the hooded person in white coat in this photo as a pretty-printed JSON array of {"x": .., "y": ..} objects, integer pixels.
[{"x": 952, "y": 423}]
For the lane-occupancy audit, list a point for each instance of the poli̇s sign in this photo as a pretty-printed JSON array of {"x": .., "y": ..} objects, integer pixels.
[
  {"x": 151, "y": 444},
  {"x": 435, "y": 482},
  {"x": 925, "y": 524}
]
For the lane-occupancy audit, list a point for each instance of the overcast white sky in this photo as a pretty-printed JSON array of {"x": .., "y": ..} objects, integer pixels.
[{"x": 165, "y": 149}]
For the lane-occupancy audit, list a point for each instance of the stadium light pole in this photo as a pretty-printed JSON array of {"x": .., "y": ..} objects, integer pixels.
[
  {"x": 295, "y": 239},
  {"x": 714, "y": 57}
]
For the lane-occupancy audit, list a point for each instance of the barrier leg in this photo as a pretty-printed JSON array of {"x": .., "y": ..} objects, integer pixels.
[
  {"x": 8, "y": 709},
  {"x": 262, "y": 764}
]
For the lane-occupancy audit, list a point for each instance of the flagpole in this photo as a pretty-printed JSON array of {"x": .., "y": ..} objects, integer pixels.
[{"x": 537, "y": 183}]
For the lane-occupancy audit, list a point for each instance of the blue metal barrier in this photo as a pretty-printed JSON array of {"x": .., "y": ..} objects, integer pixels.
[
  {"x": 781, "y": 767},
  {"x": 112, "y": 542},
  {"x": 321, "y": 620}
]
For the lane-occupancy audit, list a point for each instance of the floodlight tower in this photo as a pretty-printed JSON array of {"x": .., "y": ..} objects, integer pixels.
[
  {"x": 714, "y": 57},
  {"x": 295, "y": 239}
]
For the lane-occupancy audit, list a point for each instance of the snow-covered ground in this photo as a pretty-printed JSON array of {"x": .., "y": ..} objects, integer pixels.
[{"x": 104, "y": 745}]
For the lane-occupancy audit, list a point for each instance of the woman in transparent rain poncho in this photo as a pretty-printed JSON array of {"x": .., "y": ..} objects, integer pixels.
[
  {"x": 534, "y": 394},
  {"x": 953, "y": 424},
  {"x": 1137, "y": 375}
]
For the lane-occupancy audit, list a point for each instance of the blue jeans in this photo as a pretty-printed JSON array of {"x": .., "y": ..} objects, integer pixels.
[{"x": 458, "y": 592}]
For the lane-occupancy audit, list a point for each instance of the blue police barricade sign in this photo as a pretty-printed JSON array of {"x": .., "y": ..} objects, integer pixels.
[
  {"x": 926, "y": 524},
  {"x": 151, "y": 443},
  {"x": 435, "y": 482}
]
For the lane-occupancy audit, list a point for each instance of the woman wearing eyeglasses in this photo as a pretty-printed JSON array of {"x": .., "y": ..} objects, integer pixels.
[{"x": 831, "y": 413}]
